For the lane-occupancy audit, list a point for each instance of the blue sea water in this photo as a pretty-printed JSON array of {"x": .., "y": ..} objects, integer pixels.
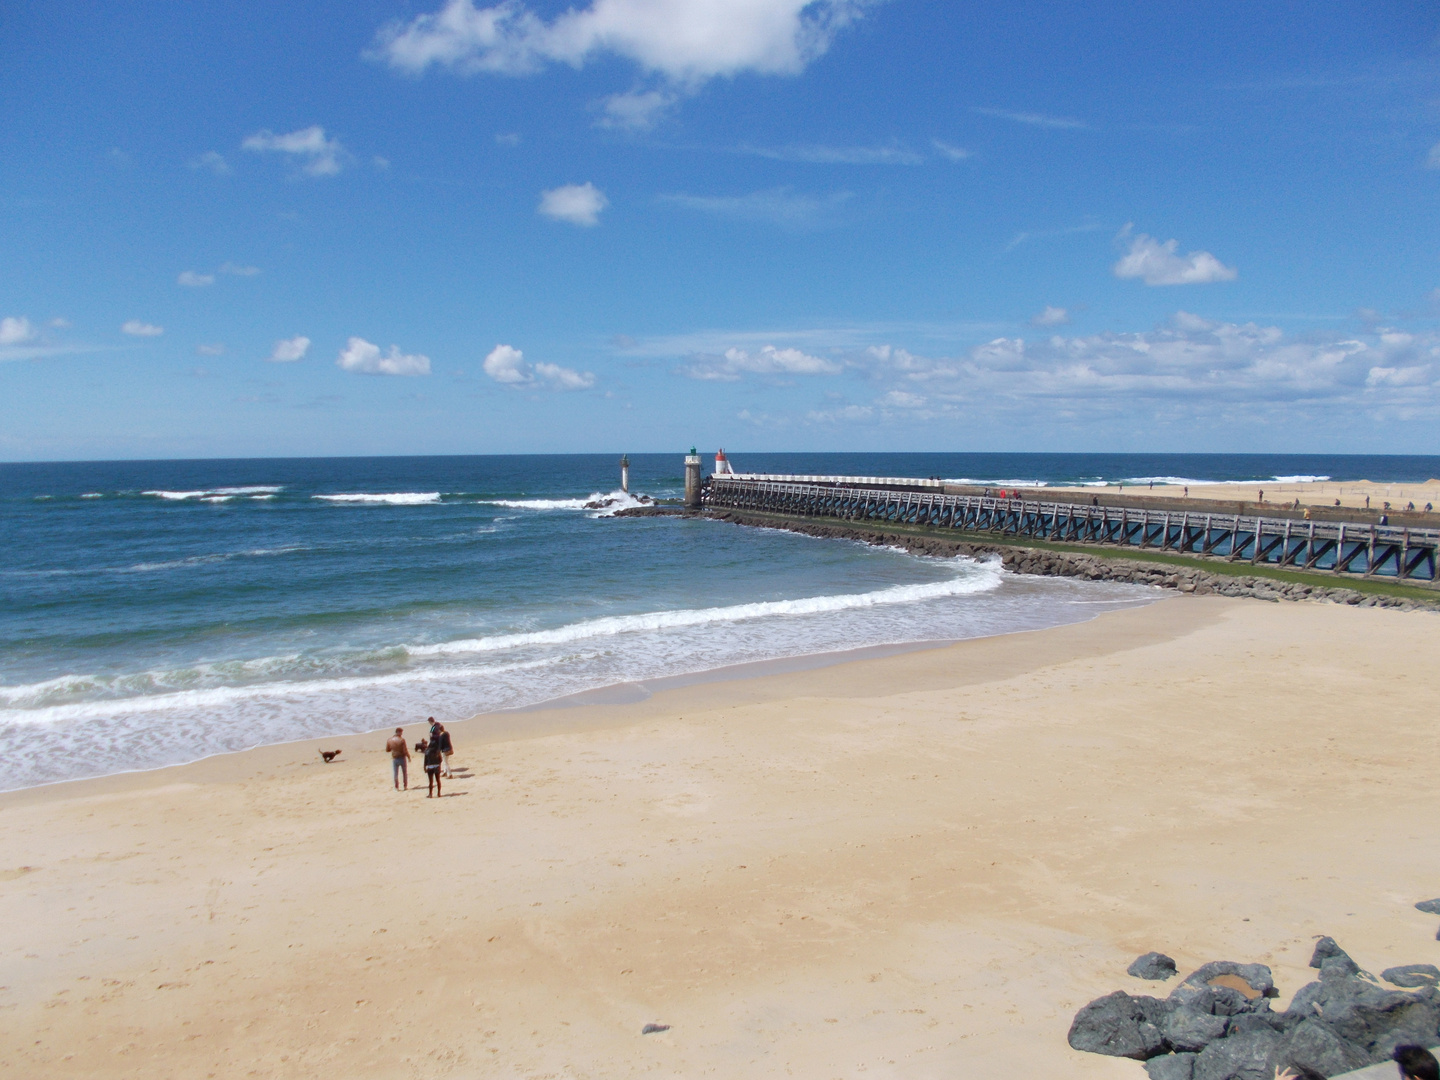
[{"x": 158, "y": 612}]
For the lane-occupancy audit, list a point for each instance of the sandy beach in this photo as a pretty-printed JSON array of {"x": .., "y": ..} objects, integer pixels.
[{"x": 918, "y": 865}]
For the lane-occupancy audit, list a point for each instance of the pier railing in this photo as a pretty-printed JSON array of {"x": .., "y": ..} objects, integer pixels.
[{"x": 1354, "y": 548}]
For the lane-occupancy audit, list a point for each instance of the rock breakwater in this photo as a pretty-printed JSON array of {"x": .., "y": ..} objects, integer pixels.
[
  {"x": 1218, "y": 1024},
  {"x": 1097, "y": 567}
]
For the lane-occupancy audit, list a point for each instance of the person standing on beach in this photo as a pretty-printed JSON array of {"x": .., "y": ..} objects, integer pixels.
[
  {"x": 446, "y": 748},
  {"x": 399, "y": 758},
  {"x": 434, "y": 761}
]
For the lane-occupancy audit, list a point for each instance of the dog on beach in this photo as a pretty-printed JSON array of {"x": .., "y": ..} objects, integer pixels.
[{"x": 329, "y": 755}]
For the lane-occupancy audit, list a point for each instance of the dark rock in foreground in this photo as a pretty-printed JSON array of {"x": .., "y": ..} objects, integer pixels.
[
  {"x": 1218, "y": 1024},
  {"x": 1157, "y": 967},
  {"x": 1117, "y": 1025},
  {"x": 1327, "y": 952},
  {"x": 1430, "y": 907},
  {"x": 1238, "y": 1057},
  {"x": 1412, "y": 975},
  {"x": 1171, "y": 1067}
]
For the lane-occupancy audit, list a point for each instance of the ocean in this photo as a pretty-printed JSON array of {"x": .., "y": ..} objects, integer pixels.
[{"x": 153, "y": 613}]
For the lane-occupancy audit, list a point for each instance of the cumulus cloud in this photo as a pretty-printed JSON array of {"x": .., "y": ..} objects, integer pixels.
[
  {"x": 563, "y": 378},
  {"x": 507, "y": 365},
  {"x": 779, "y": 206},
  {"x": 288, "y": 350},
  {"x": 16, "y": 330},
  {"x": 361, "y": 356},
  {"x": 212, "y": 162},
  {"x": 193, "y": 280},
  {"x": 1051, "y": 316},
  {"x": 1158, "y": 264},
  {"x": 1191, "y": 364},
  {"x": 238, "y": 271},
  {"x": 137, "y": 328},
  {"x": 734, "y": 363},
  {"x": 217, "y": 349},
  {"x": 318, "y": 155},
  {"x": 1433, "y": 161},
  {"x": 638, "y": 110},
  {"x": 579, "y": 204},
  {"x": 683, "y": 41}
]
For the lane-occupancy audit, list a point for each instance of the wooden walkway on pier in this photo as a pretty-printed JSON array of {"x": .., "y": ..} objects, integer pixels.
[{"x": 1343, "y": 548}]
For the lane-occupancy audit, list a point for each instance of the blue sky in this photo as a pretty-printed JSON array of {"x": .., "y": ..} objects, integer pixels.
[{"x": 443, "y": 226}]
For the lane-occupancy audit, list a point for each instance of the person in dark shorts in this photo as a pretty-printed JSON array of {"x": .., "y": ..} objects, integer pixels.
[
  {"x": 434, "y": 762},
  {"x": 1416, "y": 1063},
  {"x": 399, "y": 758}
]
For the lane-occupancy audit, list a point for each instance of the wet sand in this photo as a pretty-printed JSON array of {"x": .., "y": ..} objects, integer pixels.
[{"x": 916, "y": 865}]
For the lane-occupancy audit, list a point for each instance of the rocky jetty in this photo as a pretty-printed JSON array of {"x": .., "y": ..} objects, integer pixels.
[
  {"x": 1218, "y": 1024},
  {"x": 1023, "y": 560}
]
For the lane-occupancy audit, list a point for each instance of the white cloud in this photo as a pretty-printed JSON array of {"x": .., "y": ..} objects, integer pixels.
[
  {"x": 1433, "y": 161},
  {"x": 814, "y": 154},
  {"x": 239, "y": 271},
  {"x": 361, "y": 356},
  {"x": 1051, "y": 316},
  {"x": 563, "y": 378},
  {"x": 507, "y": 138},
  {"x": 136, "y": 328},
  {"x": 507, "y": 365},
  {"x": 216, "y": 349},
  {"x": 213, "y": 162},
  {"x": 16, "y": 330},
  {"x": 734, "y": 363},
  {"x": 635, "y": 111},
  {"x": 1189, "y": 365},
  {"x": 321, "y": 156},
  {"x": 64, "y": 324},
  {"x": 1033, "y": 119},
  {"x": 902, "y": 399},
  {"x": 192, "y": 280},
  {"x": 780, "y": 206},
  {"x": 579, "y": 204},
  {"x": 834, "y": 416},
  {"x": 950, "y": 150},
  {"x": 288, "y": 350},
  {"x": 683, "y": 41},
  {"x": 1158, "y": 264}
]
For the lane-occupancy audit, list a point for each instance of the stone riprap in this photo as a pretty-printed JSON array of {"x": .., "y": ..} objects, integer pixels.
[
  {"x": 1218, "y": 1024},
  {"x": 1157, "y": 967},
  {"x": 1412, "y": 975},
  {"x": 1025, "y": 560}
]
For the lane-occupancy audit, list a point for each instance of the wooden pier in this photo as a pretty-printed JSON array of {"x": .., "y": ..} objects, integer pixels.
[{"x": 1356, "y": 549}]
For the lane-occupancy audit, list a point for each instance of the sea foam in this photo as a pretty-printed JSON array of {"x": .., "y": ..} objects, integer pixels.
[{"x": 393, "y": 498}]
